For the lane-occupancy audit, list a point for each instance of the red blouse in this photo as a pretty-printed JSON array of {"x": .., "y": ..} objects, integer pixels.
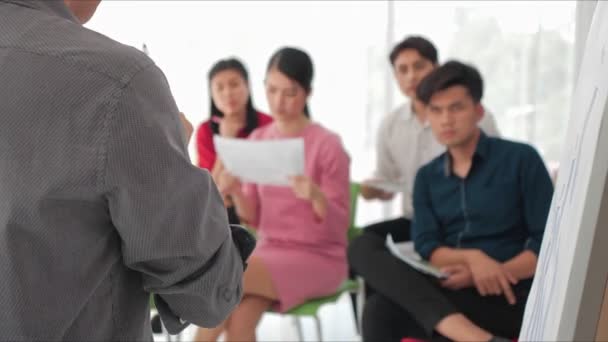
[{"x": 205, "y": 148}]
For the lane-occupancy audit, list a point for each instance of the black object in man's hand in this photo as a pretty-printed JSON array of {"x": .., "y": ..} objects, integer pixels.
[{"x": 244, "y": 241}]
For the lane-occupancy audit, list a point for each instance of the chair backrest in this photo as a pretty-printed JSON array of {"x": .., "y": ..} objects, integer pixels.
[{"x": 353, "y": 230}]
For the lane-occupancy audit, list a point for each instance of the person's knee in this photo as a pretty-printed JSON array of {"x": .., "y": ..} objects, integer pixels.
[{"x": 246, "y": 316}]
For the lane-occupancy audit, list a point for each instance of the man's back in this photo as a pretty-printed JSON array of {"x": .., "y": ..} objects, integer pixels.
[{"x": 94, "y": 181}]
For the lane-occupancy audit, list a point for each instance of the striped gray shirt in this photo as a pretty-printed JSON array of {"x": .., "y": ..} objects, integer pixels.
[{"x": 99, "y": 203}]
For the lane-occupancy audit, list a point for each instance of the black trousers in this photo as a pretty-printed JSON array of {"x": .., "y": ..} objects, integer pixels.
[
  {"x": 406, "y": 303},
  {"x": 400, "y": 231},
  {"x": 399, "y": 228}
]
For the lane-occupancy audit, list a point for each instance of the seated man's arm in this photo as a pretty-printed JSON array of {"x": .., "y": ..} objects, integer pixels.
[
  {"x": 446, "y": 256},
  {"x": 386, "y": 168},
  {"x": 168, "y": 213},
  {"x": 425, "y": 228},
  {"x": 425, "y": 225},
  {"x": 537, "y": 191},
  {"x": 523, "y": 265}
]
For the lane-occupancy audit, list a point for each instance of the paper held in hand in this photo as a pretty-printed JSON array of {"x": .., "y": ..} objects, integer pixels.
[
  {"x": 405, "y": 252},
  {"x": 387, "y": 186},
  {"x": 264, "y": 162}
]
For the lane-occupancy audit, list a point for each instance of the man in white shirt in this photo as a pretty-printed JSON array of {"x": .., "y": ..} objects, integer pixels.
[{"x": 405, "y": 141}]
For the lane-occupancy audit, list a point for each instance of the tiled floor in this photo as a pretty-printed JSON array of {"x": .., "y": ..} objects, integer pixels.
[{"x": 337, "y": 320}]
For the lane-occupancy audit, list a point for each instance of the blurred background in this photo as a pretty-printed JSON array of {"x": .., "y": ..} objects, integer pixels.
[{"x": 526, "y": 51}]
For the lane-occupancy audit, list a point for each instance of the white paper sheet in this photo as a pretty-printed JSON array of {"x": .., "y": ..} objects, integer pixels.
[
  {"x": 406, "y": 253},
  {"x": 267, "y": 162}
]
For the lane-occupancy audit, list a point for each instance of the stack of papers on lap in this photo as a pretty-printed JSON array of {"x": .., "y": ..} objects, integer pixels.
[
  {"x": 405, "y": 252},
  {"x": 264, "y": 162},
  {"x": 387, "y": 186}
]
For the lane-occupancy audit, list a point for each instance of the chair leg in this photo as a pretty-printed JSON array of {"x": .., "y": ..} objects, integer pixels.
[
  {"x": 360, "y": 303},
  {"x": 298, "y": 324},
  {"x": 319, "y": 331},
  {"x": 355, "y": 304}
]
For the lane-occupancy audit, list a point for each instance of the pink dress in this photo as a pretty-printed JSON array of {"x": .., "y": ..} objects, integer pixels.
[{"x": 306, "y": 256}]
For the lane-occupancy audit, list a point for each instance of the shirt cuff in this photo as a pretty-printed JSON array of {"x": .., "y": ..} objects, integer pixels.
[
  {"x": 171, "y": 321},
  {"x": 426, "y": 249},
  {"x": 533, "y": 245}
]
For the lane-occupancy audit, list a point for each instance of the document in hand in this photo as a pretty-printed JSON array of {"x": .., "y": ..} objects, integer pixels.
[
  {"x": 390, "y": 187},
  {"x": 405, "y": 252},
  {"x": 264, "y": 162}
]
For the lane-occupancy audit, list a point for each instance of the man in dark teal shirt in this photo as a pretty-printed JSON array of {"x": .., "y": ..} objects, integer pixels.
[
  {"x": 500, "y": 207},
  {"x": 480, "y": 211}
]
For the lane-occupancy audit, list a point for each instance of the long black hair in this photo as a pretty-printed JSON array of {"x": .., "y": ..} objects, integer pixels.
[
  {"x": 251, "y": 121},
  {"x": 296, "y": 65}
]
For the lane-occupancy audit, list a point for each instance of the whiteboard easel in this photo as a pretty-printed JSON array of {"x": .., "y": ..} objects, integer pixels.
[{"x": 566, "y": 297}]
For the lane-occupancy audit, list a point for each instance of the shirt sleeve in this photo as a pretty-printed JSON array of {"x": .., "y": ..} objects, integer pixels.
[
  {"x": 386, "y": 169},
  {"x": 204, "y": 147},
  {"x": 537, "y": 190},
  {"x": 168, "y": 213},
  {"x": 488, "y": 125},
  {"x": 425, "y": 225}
]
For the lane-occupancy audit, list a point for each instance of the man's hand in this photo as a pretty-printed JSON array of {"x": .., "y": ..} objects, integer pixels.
[
  {"x": 188, "y": 129},
  {"x": 369, "y": 193},
  {"x": 490, "y": 276},
  {"x": 459, "y": 277}
]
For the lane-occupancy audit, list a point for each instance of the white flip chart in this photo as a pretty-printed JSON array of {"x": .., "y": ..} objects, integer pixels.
[{"x": 556, "y": 305}]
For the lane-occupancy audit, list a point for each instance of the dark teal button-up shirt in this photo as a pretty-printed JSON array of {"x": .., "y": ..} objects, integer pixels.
[{"x": 501, "y": 207}]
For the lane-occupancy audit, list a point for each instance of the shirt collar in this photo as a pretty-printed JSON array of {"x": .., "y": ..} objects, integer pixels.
[
  {"x": 405, "y": 111},
  {"x": 56, "y": 7},
  {"x": 407, "y": 114},
  {"x": 482, "y": 151}
]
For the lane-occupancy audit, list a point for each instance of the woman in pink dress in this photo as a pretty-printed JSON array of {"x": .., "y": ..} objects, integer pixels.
[{"x": 301, "y": 228}]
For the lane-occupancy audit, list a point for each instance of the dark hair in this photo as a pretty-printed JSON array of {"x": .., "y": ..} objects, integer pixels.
[
  {"x": 296, "y": 65},
  {"x": 422, "y": 45},
  {"x": 251, "y": 113},
  {"x": 448, "y": 75}
]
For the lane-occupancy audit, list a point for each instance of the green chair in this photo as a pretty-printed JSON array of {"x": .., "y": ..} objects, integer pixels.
[{"x": 312, "y": 306}]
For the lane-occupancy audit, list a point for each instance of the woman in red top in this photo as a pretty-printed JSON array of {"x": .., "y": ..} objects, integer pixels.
[{"x": 232, "y": 115}]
